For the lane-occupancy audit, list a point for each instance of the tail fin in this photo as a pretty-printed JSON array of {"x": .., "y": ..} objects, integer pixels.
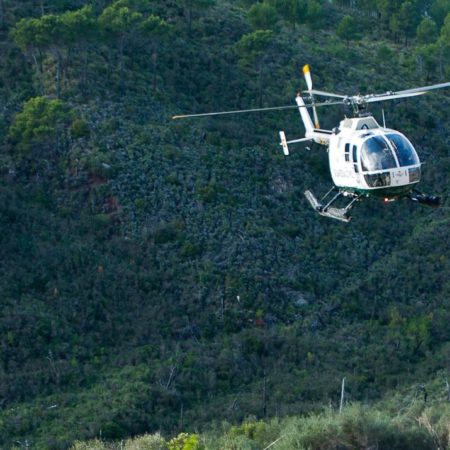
[{"x": 307, "y": 74}]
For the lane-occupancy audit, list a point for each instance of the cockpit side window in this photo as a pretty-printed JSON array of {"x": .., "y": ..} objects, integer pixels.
[
  {"x": 405, "y": 152},
  {"x": 355, "y": 160},
  {"x": 376, "y": 155},
  {"x": 347, "y": 152},
  {"x": 355, "y": 153}
]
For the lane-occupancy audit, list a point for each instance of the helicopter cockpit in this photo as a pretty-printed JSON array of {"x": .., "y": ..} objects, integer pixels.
[{"x": 381, "y": 153}]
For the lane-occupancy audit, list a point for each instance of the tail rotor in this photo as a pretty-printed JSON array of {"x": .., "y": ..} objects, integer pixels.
[{"x": 307, "y": 74}]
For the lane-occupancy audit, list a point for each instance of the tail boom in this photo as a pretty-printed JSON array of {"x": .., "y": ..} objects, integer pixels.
[{"x": 317, "y": 135}]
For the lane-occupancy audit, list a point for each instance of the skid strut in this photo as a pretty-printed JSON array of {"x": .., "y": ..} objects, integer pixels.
[{"x": 327, "y": 210}]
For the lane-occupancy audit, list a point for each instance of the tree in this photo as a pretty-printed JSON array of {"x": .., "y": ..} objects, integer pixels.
[
  {"x": 39, "y": 129},
  {"x": 252, "y": 45},
  {"x": 293, "y": 11},
  {"x": 2, "y": 13},
  {"x": 156, "y": 29},
  {"x": 251, "y": 48},
  {"x": 314, "y": 13},
  {"x": 32, "y": 38},
  {"x": 428, "y": 59},
  {"x": 262, "y": 16},
  {"x": 439, "y": 10},
  {"x": 444, "y": 46},
  {"x": 347, "y": 29},
  {"x": 368, "y": 6},
  {"x": 386, "y": 9},
  {"x": 427, "y": 31},
  {"x": 445, "y": 31},
  {"x": 191, "y": 5},
  {"x": 119, "y": 21},
  {"x": 395, "y": 26},
  {"x": 54, "y": 35},
  {"x": 408, "y": 17},
  {"x": 79, "y": 29}
]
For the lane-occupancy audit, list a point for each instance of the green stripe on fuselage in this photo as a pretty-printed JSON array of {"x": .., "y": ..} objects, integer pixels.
[{"x": 384, "y": 192}]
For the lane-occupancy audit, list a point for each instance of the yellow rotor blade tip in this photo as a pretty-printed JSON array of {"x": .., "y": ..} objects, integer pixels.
[{"x": 306, "y": 68}]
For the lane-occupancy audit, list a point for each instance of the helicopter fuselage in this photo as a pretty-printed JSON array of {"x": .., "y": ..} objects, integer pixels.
[{"x": 367, "y": 159}]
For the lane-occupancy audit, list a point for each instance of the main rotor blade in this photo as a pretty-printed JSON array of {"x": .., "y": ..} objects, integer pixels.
[
  {"x": 326, "y": 94},
  {"x": 424, "y": 88},
  {"x": 405, "y": 93},
  {"x": 382, "y": 98},
  {"x": 275, "y": 108},
  {"x": 219, "y": 113}
]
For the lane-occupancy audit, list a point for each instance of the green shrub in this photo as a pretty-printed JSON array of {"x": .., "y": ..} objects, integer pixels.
[
  {"x": 190, "y": 250},
  {"x": 146, "y": 442},
  {"x": 384, "y": 54},
  {"x": 79, "y": 128},
  {"x": 95, "y": 444},
  {"x": 436, "y": 423},
  {"x": 167, "y": 232},
  {"x": 356, "y": 428},
  {"x": 39, "y": 125},
  {"x": 185, "y": 441}
]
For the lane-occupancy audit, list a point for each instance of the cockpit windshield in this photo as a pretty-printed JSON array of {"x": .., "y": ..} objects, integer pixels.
[
  {"x": 376, "y": 155},
  {"x": 405, "y": 152}
]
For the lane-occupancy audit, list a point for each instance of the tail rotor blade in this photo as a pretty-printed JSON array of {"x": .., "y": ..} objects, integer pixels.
[
  {"x": 308, "y": 78},
  {"x": 307, "y": 74},
  {"x": 316, "y": 118}
]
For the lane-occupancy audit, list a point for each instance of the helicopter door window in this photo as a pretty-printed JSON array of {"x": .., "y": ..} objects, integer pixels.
[
  {"x": 347, "y": 152},
  {"x": 404, "y": 151},
  {"x": 377, "y": 155}
]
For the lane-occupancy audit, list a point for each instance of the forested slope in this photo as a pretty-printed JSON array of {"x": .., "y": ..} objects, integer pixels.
[{"x": 158, "y": 274}]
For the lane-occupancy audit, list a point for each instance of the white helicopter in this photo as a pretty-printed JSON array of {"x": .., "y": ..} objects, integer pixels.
[{"x": 365, "y": 159}]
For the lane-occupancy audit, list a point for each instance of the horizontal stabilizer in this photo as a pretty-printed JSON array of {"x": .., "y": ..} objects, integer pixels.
[{"x": 283, "y": 143}]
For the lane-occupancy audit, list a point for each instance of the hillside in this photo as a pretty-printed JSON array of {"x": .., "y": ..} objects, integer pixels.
[
  {"x": 357, "y": 427},
  {"x": 158, "y": 274}
]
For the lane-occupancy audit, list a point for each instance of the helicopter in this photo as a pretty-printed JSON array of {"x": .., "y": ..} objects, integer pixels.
[{"x": 365, "y": 158}]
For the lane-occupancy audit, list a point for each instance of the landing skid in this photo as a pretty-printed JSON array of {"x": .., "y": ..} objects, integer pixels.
[{"x": 327, "y": 210}]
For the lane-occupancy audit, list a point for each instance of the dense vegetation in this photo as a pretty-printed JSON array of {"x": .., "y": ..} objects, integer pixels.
[
  {"x": 354, "y": 429},
  {"x": 158, "y": 274}
]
